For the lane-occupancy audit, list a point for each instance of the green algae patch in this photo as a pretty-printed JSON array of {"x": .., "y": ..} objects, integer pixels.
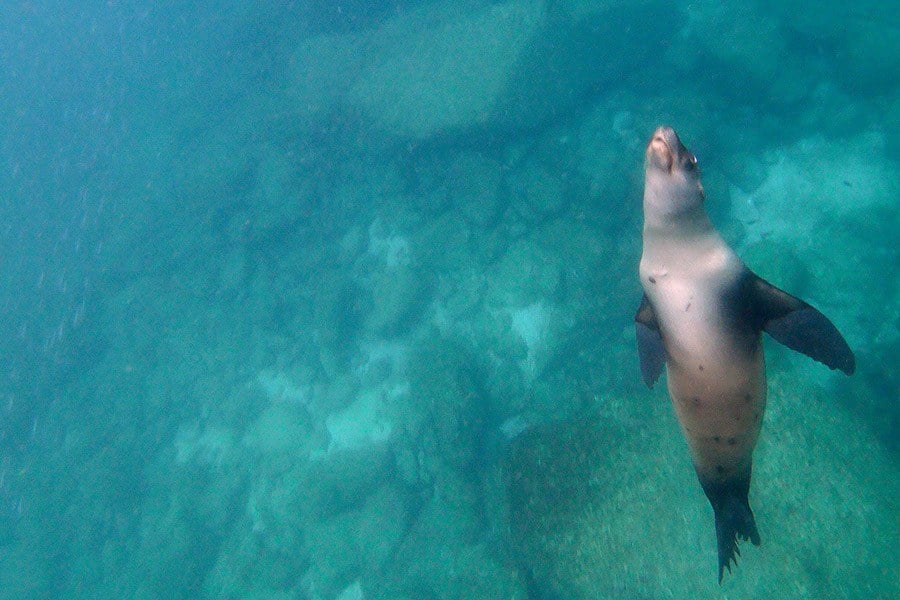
[
  {"x": 551, "y": 472},
  {"x": 559, "y": 476}
]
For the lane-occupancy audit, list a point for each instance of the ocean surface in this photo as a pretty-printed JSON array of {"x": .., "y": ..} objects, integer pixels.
[{"x": 334, "y": 299}]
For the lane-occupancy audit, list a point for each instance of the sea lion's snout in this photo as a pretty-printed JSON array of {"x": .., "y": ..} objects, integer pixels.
[
  {"x": 671, "y": 177},
  {"x": 665, "y": 134},
  {"x": 663, "y": 148},
  {"x": 666, "y": 151}
]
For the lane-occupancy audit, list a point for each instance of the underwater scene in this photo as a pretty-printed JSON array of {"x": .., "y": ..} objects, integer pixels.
[{"x": 339, "y": 299}]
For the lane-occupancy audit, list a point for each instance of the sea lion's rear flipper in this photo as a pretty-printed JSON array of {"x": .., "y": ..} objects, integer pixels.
[
  {"x": 799, "y": 326},
  {"x": 651, "y": 351},
  {"x": 734, "y": 519}
]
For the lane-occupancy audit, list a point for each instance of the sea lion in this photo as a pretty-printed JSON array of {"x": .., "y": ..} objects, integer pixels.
[{"x": 702, "y": 316}]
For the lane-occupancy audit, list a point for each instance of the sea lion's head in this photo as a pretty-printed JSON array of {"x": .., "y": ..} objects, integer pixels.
[{"x": 671, "y": 176}]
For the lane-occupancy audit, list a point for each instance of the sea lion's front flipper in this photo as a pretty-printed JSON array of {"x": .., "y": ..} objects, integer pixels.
[
  {"x": 799, "y": 326},
  {"x": 651, "y": 351}
]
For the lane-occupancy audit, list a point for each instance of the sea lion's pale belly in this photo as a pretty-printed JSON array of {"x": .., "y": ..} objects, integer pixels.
[{"x": 716, "y": 375}]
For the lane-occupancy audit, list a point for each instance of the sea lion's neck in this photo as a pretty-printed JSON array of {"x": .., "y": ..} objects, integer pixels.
[
  {"x": 681, "y": 225},
  {"x": 673, "y": 204},
  {"x": 666, "y": 237}
]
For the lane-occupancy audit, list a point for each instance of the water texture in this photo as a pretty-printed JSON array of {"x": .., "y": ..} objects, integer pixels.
[{"x": 334, "y": 299}]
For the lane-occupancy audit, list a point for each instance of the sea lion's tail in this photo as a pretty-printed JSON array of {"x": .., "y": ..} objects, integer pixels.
[{"x": 734, "y": 519}]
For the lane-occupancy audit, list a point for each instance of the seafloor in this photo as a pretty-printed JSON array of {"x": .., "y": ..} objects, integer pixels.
[{"x": 350, "y": 313}]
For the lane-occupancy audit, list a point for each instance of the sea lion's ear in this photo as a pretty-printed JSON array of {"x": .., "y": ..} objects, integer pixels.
[
  {"x": 651, "y": 351},
  {"x": 799, "y": 326}
]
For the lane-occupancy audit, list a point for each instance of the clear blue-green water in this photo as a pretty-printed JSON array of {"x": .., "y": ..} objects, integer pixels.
[{"x": 335, "y": 299}]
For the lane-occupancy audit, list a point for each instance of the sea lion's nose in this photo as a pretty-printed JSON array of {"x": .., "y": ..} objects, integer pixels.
[
  {"x": 660, "y": 148},
  {"x": 667, "y": 135}
]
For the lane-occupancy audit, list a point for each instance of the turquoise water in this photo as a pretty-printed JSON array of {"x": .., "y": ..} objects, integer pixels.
[{"x": 335, "y": 299}]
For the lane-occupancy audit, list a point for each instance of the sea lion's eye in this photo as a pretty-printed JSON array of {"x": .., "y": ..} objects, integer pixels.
[{"x": 691, "y": 163}]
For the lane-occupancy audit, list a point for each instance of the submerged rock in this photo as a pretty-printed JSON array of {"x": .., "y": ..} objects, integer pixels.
[
  {"x": 474, "y": 185},
  {"x": 398, "y": 297},
  {"x": 569, "y": 503},
  {"x": 608, "y": 507},
  {"x": 537, "y": 191},
  {"x": 447, "y": 69}
]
